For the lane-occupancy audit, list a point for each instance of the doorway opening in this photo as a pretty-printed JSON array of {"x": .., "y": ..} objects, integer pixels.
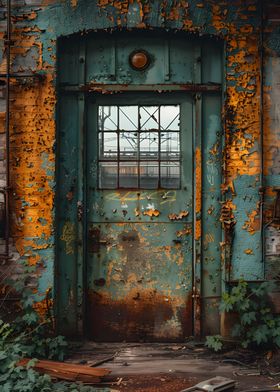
[{"x": 137, "y": 118}]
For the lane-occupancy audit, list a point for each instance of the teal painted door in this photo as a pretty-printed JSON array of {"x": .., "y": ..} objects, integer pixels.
[{"x": 139, "y": 198}]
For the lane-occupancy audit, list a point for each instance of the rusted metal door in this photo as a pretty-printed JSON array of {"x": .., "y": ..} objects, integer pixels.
[{"x": 139, "y": 217}]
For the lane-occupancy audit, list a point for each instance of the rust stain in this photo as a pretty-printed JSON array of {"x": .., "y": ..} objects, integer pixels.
[
  {"x": 253, "y": 223},
  {"x": 198, "y": 193},
  {"x": 185, "y": 231},
  {"x": 198, "y": 229},
  {"x": 179, "y": 216},
  {"x": 151, "y": 212},
  {"x": 198, "y": 180},
  {"x": 144, "y": 314},
  {"x": 227, "y": 214},
  {"x": 43, "y": 307}
]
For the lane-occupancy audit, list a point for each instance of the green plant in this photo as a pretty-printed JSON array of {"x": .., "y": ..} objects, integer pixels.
[
  {"x": 28, "y": 336},
  {"x": 214, "y": 342},
  {"x": 257, "y": 326},
  {"x": 24, "y": 378}
]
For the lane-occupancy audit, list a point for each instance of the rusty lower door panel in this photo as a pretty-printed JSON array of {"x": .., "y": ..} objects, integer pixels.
[{"x": 139, "y": 283}]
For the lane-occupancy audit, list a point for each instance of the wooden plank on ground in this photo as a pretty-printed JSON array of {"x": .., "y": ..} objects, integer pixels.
[{"x": 67, "y": 371}]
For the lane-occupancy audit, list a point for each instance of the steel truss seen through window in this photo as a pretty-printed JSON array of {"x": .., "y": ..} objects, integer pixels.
[{"x": 139, "y": 146}]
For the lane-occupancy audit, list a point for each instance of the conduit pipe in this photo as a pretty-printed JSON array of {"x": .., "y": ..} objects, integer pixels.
[
  {"x": 262, "y": 187},
  {"x": 5, "y": 190}
]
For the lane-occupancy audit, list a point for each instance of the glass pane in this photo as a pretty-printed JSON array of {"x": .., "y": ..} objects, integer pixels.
[
  {"x": 128, "y": 145},
  {"x": 149, "y": 175},
  {"x": 108, "y": 145},
  {"x": 170, "y": 175},
  {"x": 108, "y": 175},
  {"x": 128, "y": 175},
  {"x": 149, "y": 117},
  {"x": 108, "y": 118},
  {"x": 170, "y": 118},
  {"x": 169, "y": 145},
  {"x": 128, "y": 118},
  {"x": 149, "y": 145}
]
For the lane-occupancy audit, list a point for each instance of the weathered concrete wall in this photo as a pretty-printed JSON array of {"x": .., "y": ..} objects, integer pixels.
[{"x": 38, "y": 24}]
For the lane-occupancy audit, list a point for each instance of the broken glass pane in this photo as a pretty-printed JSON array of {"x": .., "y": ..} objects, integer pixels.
[
  {"x": 128, "y": 145},
  {"x": 108, "y": 118},
  {"x": 170, "y": 175},
  {"x": 169, "y": 145},
  {"x": 108, "y": 145},
  {"x": 149, "y": 117},
  {"x": 149, "y": 178},
  {"x": 149, "y": 145},
  {"x": 128, "y": 118},
  {"x": 128, "y": 175},
  {"x": 170, "y": 118},
  {"x": 108, "y": 175}
]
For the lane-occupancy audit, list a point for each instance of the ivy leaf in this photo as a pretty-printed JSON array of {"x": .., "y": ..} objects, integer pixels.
[
  {"x": 263, "y": 289},
  {"x": 227, "y": 303},
  {"x": 214, "y": 342},
  {"x": 30, "y": 318},
  {"x": 248, "y": 318},
  {"x": 261, "y": 334},
  {"x": 3, "y": 355},
  {"x": 31, "y": 375},
  {"x": 244, "y": 305}
]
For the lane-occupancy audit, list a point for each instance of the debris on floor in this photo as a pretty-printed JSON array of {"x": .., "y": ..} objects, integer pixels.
[
  {"x": 215, "y": 384},
  {"x": 68, "y": 371},
  {"x": 153, "y": 382},
  {"x": 171, "y": 367}
]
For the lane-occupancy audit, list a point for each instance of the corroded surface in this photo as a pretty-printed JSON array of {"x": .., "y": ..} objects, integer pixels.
[{"x": 237, "y": 23}]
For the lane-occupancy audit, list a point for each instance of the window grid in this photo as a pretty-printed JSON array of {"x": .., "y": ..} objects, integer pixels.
[{"x": 146, "y": 167}]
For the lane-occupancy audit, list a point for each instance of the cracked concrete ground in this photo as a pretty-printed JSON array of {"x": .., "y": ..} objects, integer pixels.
[{"x": 169, "y": 367}]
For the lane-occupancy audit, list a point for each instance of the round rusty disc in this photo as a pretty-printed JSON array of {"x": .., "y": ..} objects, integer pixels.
[{"x": 139, "y": 60}]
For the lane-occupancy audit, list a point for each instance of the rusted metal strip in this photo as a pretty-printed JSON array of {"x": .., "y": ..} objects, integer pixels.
[{"x": 110, "y": 88}]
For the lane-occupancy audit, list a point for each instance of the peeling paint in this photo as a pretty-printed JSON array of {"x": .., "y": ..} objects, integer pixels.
[
  {"x": 179, "y": 216},
  {"x": 33, "y": 149}
]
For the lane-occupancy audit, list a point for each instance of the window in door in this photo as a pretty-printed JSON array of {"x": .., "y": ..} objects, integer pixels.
[{"x": 139, "y": 146}]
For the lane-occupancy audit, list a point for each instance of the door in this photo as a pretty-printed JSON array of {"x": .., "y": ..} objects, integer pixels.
[{"x": 139, "y": 210}]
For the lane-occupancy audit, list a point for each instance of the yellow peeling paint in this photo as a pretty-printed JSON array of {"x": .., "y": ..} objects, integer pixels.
[
  {"x": 252, "y": 224},
  {"x": 32, "y": 161},
  {"x": 151, "y": 213}
]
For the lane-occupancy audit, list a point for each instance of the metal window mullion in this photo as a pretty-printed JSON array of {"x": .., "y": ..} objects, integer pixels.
[{"x": 138, "y": 149}]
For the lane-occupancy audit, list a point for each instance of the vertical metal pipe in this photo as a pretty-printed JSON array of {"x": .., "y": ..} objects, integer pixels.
[
  {"x": 262, "y": 189},
  {"x": 7, "y": 129}
]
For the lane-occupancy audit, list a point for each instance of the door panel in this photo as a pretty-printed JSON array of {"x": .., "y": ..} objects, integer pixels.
[{"x": 139, "y": 241}]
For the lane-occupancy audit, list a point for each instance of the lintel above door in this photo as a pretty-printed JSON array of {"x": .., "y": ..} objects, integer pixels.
[{"x": 173, "y": 63}]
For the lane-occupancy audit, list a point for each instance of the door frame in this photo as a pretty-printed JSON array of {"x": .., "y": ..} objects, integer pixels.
[{"x": 70, "y": 297}]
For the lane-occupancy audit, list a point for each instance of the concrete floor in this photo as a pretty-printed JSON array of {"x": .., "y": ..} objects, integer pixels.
[{"x": 166, "y": 367}]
